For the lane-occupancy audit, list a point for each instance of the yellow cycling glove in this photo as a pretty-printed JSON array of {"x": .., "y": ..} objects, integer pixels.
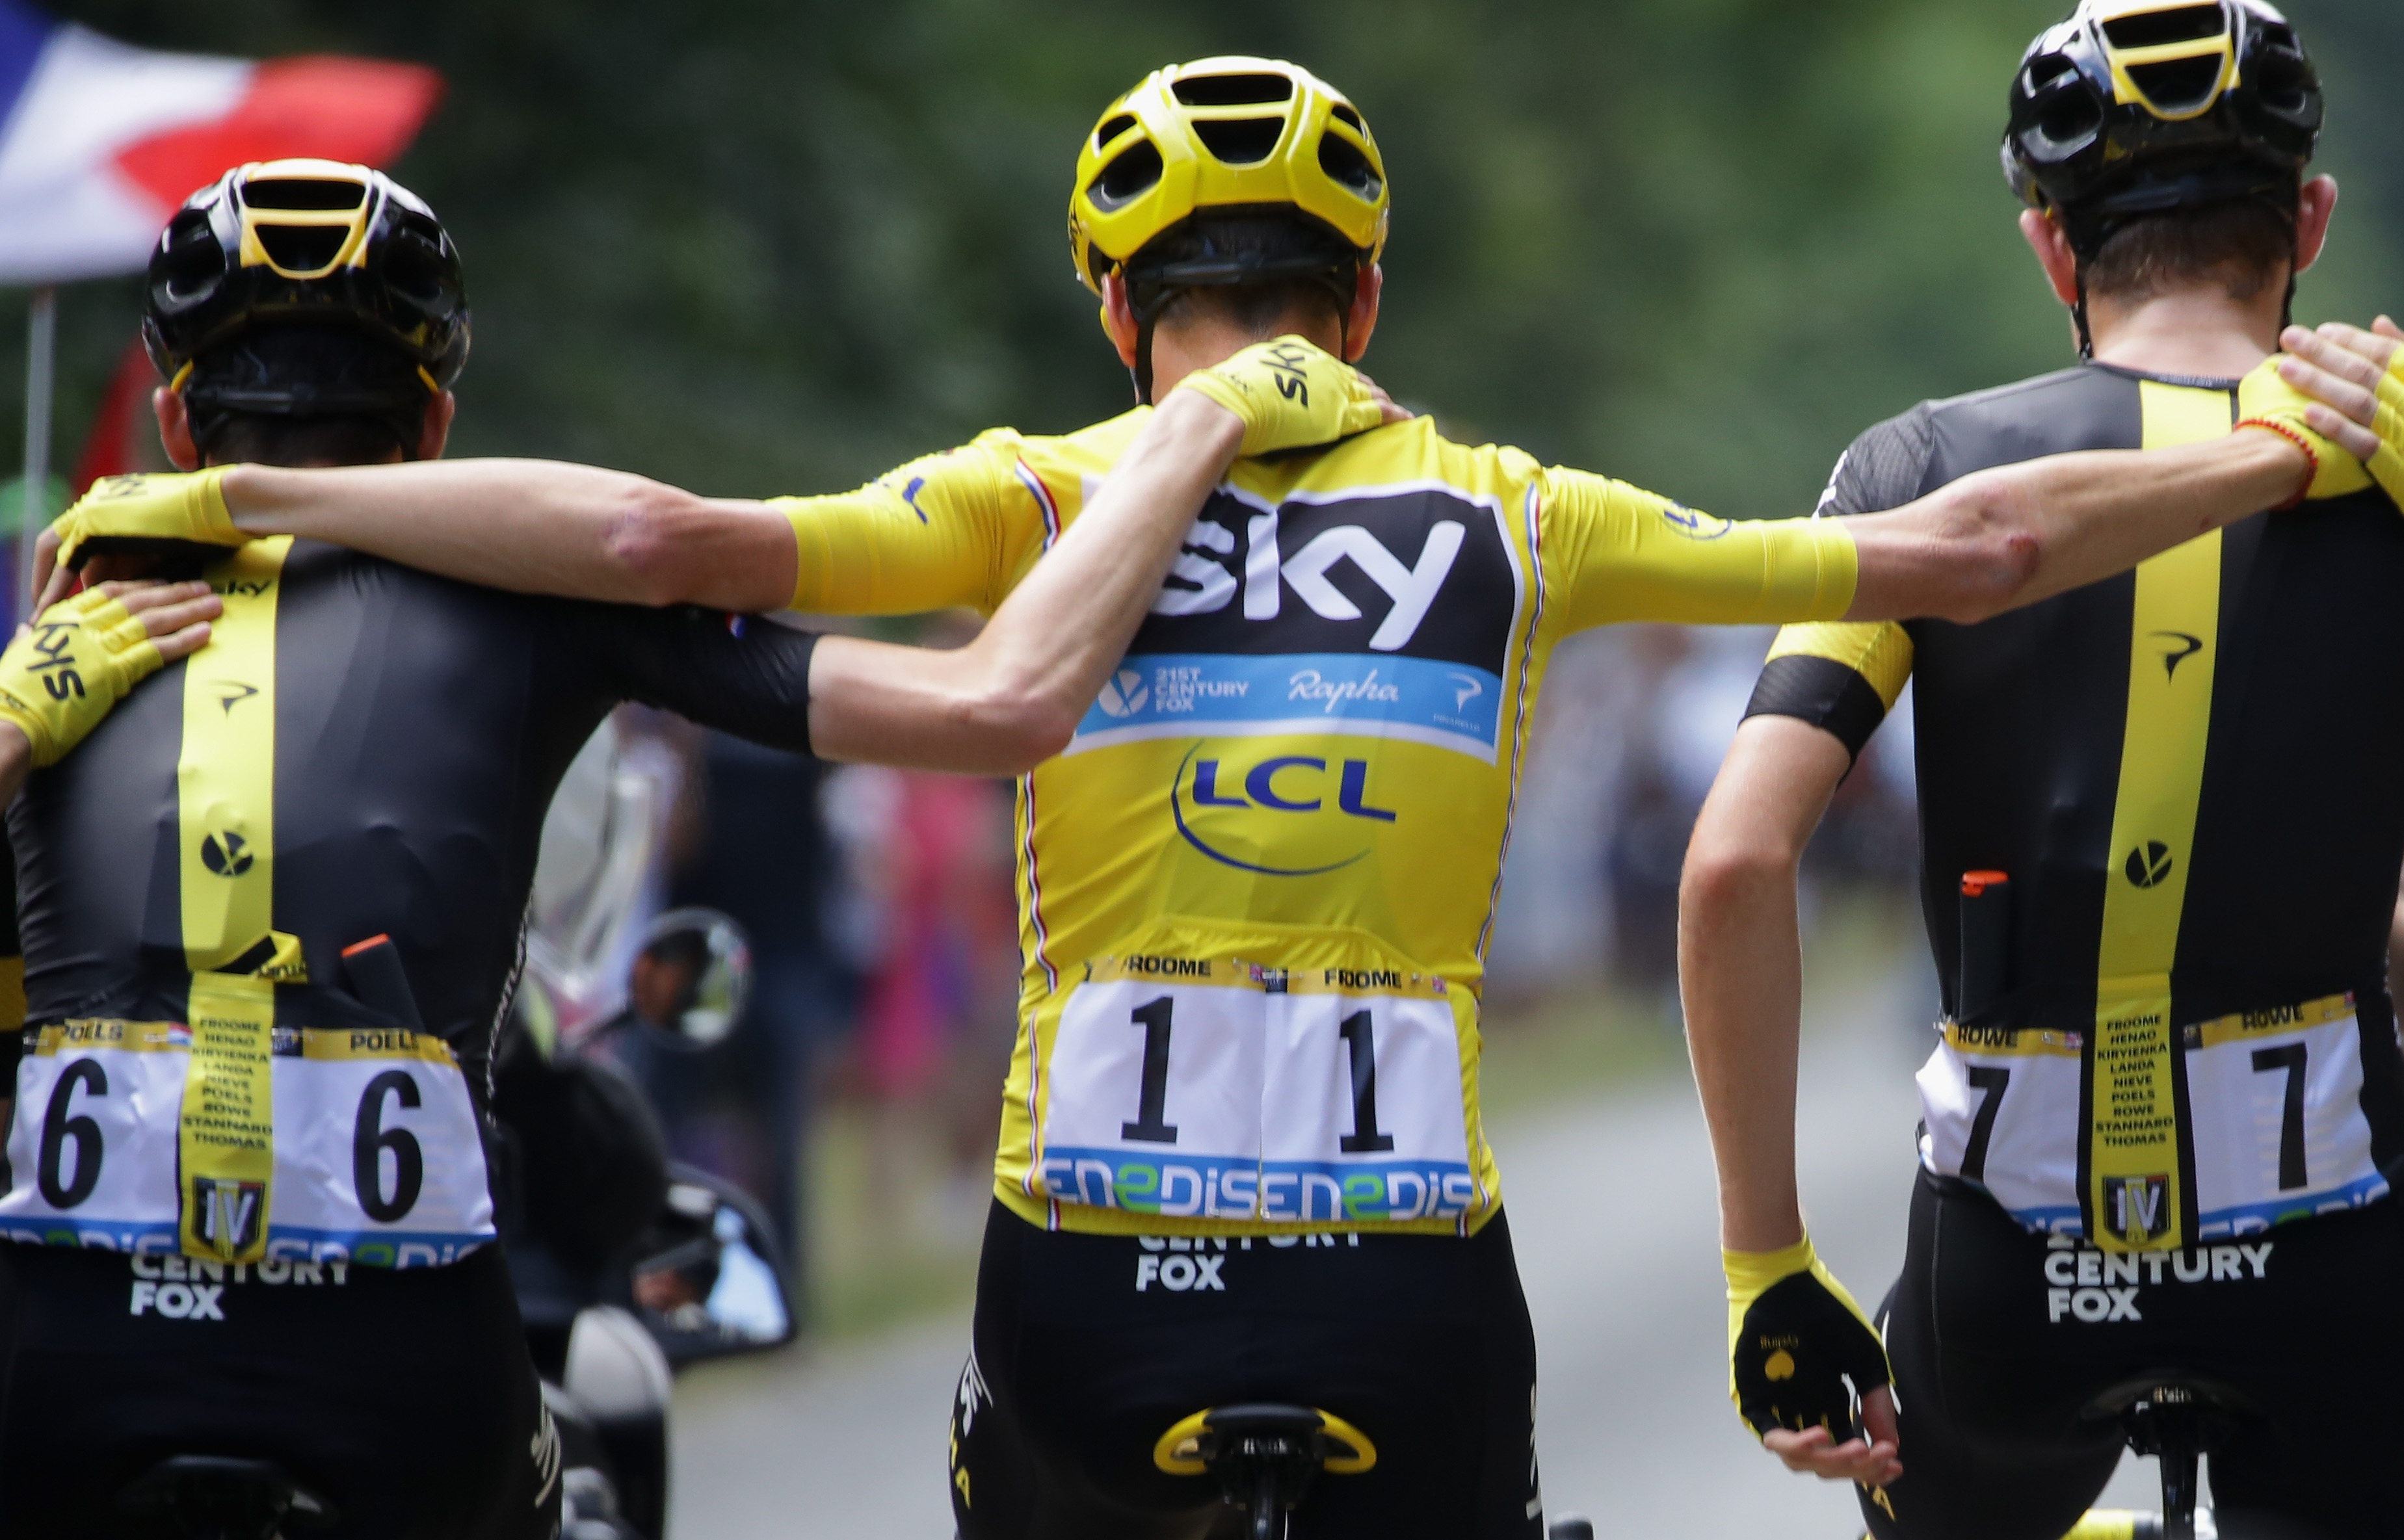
[
  {"x": 64, "y": 673},
  {"x": 2387, "y": 466},
  {"x": 1794, "y": 1337},
  {"x": 172, "y": 506},
  {"x": 2265, "y": 400},
  {"x": 1290, "y": 394}
]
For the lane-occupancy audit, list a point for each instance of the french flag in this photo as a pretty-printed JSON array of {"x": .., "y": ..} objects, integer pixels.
[{"x": 100, "y": 142}]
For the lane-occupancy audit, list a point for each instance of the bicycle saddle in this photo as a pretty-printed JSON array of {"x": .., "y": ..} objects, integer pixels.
[
  {"x": 210, "y": 1497},
  {"x": 1265, "y": 1454},
  {"x": 2177, "y": 1417}
]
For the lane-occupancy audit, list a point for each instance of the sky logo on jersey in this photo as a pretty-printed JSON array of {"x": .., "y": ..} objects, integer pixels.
[{"x": 1381, "y": 612}]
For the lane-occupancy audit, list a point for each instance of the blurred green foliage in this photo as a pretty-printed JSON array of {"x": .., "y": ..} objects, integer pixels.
[{"x": 756, "y": 247}]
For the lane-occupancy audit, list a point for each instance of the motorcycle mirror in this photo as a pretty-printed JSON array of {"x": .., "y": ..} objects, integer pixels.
[
  {"x": 707, "y": 1283},
  {"x": 690, "y": 978}
]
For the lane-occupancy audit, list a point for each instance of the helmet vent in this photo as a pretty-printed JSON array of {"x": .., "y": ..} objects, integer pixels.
[
  {"x": 2045, "y": 68},
  {"x": 1133, "y": 174},
  {"x": 313, "y": 194},
  {"x": 1344, "y": 110},
  {"x": 1243, "y": 141},
  {"x": 2176, "y": 84},
  {"x": 2187, "y": 24},
  {"x": 1341, "y": 160},
  {"x": 2281, "y": 75},
  {"x": 1112, "y": 130},
  {"x": 303, "y": 248},
  {"x": 1232, "y": 90}
]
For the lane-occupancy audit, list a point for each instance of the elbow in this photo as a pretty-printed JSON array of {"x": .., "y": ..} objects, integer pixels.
[
  {"x": 1726, "y": 876},
  {"x": 642, "y": 542},
  {"x": 1995, "y": 554},
  {"x": 1015, "y": 730}
]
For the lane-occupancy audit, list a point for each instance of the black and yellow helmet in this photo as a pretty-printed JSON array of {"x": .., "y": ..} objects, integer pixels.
[
  {"x": 280, "y": 253},
  {"x": 1213, "y": 143},
  {"x": 2136, "y": 108}
]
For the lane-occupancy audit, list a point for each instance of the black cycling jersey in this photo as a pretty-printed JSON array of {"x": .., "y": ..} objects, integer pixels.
[
  {"x": 2188, "y": 775},
  {"x": 421, "y": 725},
  {"x": 2019, "y": 723},
  {"x": 1088, "y": 1348}
]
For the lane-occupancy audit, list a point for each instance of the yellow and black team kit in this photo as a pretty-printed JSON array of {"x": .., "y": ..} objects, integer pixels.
[
  {"x": 1255, "y": 894},
  {"x": 249, "y": 1211},
  {"x": 2160, "y": 830}
]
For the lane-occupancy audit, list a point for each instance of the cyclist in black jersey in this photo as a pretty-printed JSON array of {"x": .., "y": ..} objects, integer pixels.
[
  {"x": 2160, "y": 833},
  {"x": 250, "y": 1215}
]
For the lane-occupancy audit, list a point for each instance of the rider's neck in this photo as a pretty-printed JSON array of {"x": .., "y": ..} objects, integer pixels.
[
  {"x": 2196, "y": 331},
  {"x": 1179, "y": 349}
]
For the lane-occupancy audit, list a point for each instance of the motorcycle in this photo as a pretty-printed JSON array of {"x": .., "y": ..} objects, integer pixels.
[{"x": 628, "y": 1267}]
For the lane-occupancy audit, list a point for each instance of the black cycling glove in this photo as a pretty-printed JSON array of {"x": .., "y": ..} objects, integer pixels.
[{"x": 1794, "y": 1337}]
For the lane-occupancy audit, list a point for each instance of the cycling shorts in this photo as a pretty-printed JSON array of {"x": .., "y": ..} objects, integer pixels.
[
  {"x": 1999, "y": 1337},
  {"x": 1087, "y": 1348},
  {"x": 404, "y": 1399}
]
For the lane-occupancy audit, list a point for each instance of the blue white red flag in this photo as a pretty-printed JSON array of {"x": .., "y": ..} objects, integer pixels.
[{"x": 100, "y": 142}]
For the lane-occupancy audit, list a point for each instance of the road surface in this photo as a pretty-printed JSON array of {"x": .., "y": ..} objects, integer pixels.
[{"x": 1634, "y": 1427}]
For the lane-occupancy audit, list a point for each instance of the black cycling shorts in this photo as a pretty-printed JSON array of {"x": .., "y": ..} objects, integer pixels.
[
  {"x": 2000, "y": 1337},
  {"x": 1087, "y": 1348},
  {"x": 405, "y": 1399}
]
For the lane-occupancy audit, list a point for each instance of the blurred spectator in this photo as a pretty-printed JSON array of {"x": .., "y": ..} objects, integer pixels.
[{"x": 934, "y": 926}]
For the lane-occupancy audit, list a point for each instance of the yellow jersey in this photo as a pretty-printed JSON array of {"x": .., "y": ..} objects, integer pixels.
[{"x": 1256, "y": 890}]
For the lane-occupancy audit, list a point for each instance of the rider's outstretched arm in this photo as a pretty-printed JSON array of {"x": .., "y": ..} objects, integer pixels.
[{"x": 2001, "y": 538}]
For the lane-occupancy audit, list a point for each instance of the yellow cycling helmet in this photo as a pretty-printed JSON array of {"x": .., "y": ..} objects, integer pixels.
[{"x": 1233, "y": 136}]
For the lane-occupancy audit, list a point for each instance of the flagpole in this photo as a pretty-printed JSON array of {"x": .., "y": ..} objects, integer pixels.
[{"x": 41, "y": 350}]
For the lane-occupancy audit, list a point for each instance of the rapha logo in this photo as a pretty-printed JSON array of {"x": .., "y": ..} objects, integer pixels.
[
  {"x": 1124, "y": 694},
  {"x": 228, "y": 1214}
]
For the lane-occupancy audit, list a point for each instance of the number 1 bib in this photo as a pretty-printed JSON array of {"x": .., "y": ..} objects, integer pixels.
[{"x": 1211, "y": 1087}]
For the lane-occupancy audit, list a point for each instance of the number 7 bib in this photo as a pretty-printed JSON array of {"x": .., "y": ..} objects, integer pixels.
[{"x": 1216, "y": 1089}]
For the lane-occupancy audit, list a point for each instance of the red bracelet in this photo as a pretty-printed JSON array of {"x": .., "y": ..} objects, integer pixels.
[{"x": 2292, "y": 435}]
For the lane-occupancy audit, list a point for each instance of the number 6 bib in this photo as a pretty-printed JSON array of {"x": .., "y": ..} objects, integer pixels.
[
  {"x": 376, "y": 1155},
  {"x": 1210, "y": 1087}
]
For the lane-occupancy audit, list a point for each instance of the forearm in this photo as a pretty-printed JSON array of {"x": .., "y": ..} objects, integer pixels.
[
  {"x": 2018, "y": 533},
  {"x": 1741, "y": 966},
  {"x": 1012, "y": 697},
  {"x": 533, "y": 526}
]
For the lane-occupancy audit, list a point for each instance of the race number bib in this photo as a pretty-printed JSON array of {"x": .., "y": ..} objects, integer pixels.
[
  {"x": 1203, "y": 1088},
  {"x": 378, "y": 1154},
  {"x": 2276, "y": 1125}
]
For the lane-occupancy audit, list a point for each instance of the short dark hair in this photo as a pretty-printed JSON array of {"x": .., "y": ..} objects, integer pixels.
[
  {"x": 259, "y": 440},
  {"x": 2245, "y": 244}
]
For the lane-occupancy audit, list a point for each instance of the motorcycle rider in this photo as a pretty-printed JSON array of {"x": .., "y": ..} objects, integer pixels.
[
  {"x": 1210, "y": 866},
  {"x": 272, "y": 906}
]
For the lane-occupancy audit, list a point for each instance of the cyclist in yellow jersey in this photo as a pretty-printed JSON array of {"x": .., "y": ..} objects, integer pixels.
[
  {"x": 2167, "y": 1103},
  {"x": 1242, "y": 1154}
]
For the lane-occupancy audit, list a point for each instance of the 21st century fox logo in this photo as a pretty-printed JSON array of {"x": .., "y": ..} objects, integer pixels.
[{"x": 1124, "y": 694}]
